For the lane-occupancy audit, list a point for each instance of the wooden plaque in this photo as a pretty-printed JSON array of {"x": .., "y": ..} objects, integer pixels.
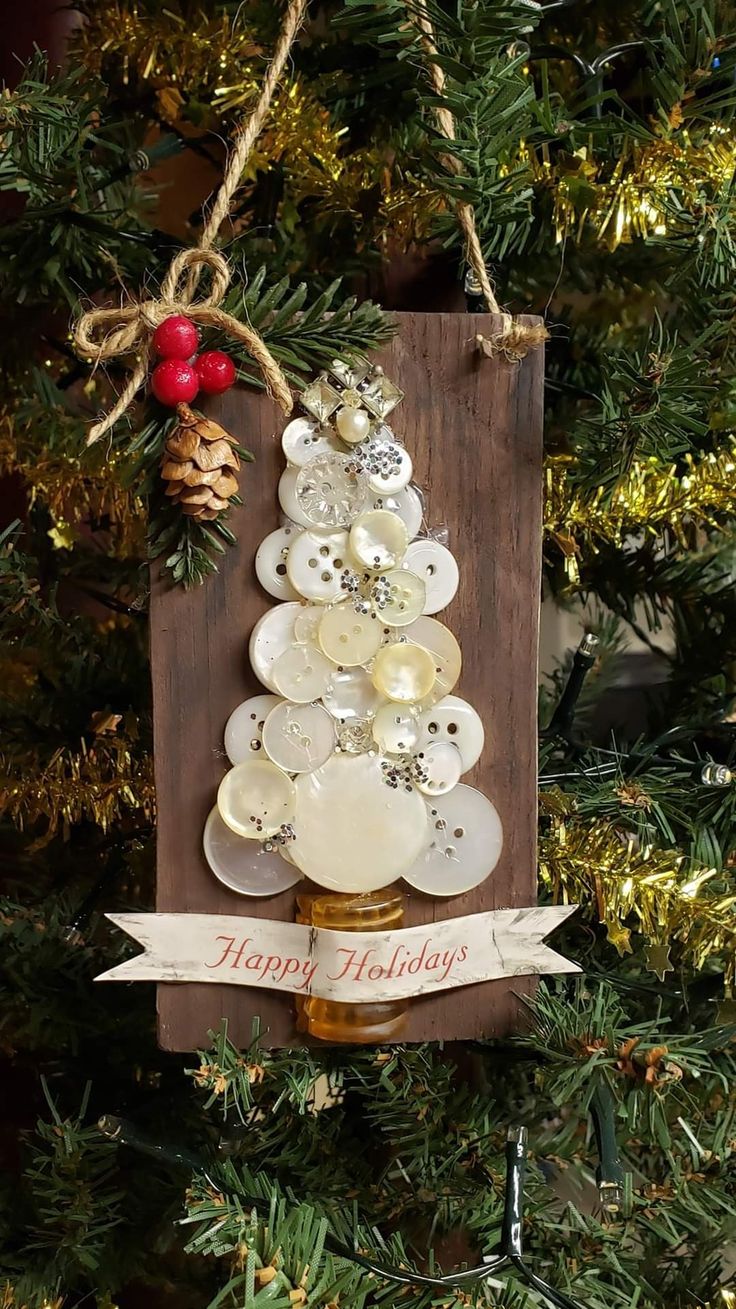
[{"x": 473, "y": 427}]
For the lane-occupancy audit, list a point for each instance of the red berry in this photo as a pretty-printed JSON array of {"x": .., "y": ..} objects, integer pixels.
[
  {"x": 176, "y": 338},
  {"x": 216, "y": 371},
  {"x": 174, "y": 381}
]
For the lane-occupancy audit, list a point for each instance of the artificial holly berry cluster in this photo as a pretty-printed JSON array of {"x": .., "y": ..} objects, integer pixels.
[{"x": 182, "y": 373}]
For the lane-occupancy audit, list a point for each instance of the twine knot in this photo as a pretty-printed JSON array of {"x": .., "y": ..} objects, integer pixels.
[{"x": 102, "y": 334}]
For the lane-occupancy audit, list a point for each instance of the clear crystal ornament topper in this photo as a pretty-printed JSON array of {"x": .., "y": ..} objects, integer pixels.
[
  {"x": 320, "y": 398},
  {"x": 350, "y": 374},
  {"x": 380, "y": 395}
]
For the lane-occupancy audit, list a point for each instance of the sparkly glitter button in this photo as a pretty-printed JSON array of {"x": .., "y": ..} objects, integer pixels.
[
  {"x": 330, "y": 491},
  {"x": 255, "y": 798},
  {"x": 441, "y": 768},
  {"x": 315, "y": 563},
  {"x": 437, "y": 567},
  {"x": 406, "y": 598},
  {"x": 395, "y": 468},
  {"x": 245, "y": 866},
  {"x": 407, "y": 504},
  {"x": 466, "y": 843},
  {"x": 299, "y": 738},
  {"x": 288, "y": 497},
  {"x": 355, "y": 833},
  {"x": 378, "y": 539},
  {"x": 302, "y": 673},
  {"x": 271, "y": 563},
  {"x": 395, "y": 730},
  {"x": 348, "y": 638},
  {"x": 454, "y": 720},
  {"x": 303, "y": 439},
  {"x": 351, "y": 694},
  {"x": 448, "y": 660},
  {"x": 271, "y": 636},
  {"x": 244, "y": 727},
  {"x": 404, "y": 672}
]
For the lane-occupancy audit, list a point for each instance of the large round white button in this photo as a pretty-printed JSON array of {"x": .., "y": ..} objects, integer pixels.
[
  {"x": 348, "y": 638},
  {"x": 406, "y": 600},
  {"x": 441, "y": 766},
  {"x": 256, "y": 798},
  {"x": 404, "y": 672},
  {"x": 244, "y": 727},
  {"x": 407, "y": 504},
  {"x": 271, "y": 636},
  {"x": 303, "y": 439},
  {"x": 353, "y": 831},
  {"x": 331, "y": 491},
  {"x": 288, "y": 497},
  {"x": 396, "y": 468},
  {"x": 271, "y": 563},
  {"x": 351, "y": 694},
  {"x": 438, "y": 570},
  {"x": 378, "y": 539},
  {"x": 440, "y": 641},
  {"x": 454, "y": 720},
  {"x": 302, "y": 673},
  {"x": 315, "y": 563},
  {"x": 242, "y": 865},
  {"x": 467, "y": 838},
  {"x": 395, "y": 730},
  {"x": 299, "y": 737}
]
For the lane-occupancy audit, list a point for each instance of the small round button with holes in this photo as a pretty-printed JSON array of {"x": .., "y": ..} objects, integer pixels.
[{"x": 244, "y": 727}]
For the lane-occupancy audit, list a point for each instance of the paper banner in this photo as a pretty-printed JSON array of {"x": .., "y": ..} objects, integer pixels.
[{"x": 350, "y": 966}]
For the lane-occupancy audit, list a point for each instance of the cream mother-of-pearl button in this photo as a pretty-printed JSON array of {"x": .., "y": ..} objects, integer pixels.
[
  {"x": 302, "y": 673},
  {"x": 299, "y": 737},
  {"x": 397, "y": 480},
  {"x": 404, "y": 672},
  {"x": 378, "y": 539},
  {"x": 306, "y": 624},
  {"x": 315, "y": 563},
  {"x": 351, "y": 694},
  {"x": 408, "y": 594},
  {"x": 271, "y": 563},
  {"x": 330, "y": 491},
  {"x": 436, "y": 565},
  {"x": 244, "y": 866},
  {"x": 288, "y": 497},
  {"x": 256, "y": 798},
  {"x": 407, "y": 504},
  {"x": 443, "y": 768},
  {"x": 271, "y": 636},
  {"x": 353, "y": 832},
  {"x": 244, "y": 727},
  {"x": 395, "y": 730},
  {"x": 466, "y": 844},
  {"x": 303, "y": 439},
  {"x": 353, "y": 425},
  {"x": 441, "y": 643},
  {"x": 348, "y": 638},
  {"x": 454, "y": 720}
]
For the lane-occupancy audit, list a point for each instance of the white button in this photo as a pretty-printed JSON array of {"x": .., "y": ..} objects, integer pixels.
[
  {"x": 288, "y": 497},
  {"x": 354, "y": 832},
  {"x": 315, "y": 564},
  {"x": 454, "y": 720},
  {"x": 271, "y": 563},
  {"x": 256, "y": 798},
  {"x": 303, "y": 439},
  {"x": 348, "y": 638},
  {"x": 378, "y": 539},
  {"x": 407, "y": 504},
  {"x": 395, "y": 729},
  {"x": 407, "y": 598},
  {"x": 400, "y": 473},
  {"x": 404, "y": 672},
  {"x": 437, "y": 567},
  {"x": 442, "y": 764},
  {"x": 271, "y": 636},
  {"x": 306, "y": 624},
  {"x": 299, "y": 737},
  {"x": 351, "y": 694},
  {"x": 242, "y": 865},
  {"x": 302, "y": 673},
  {"x": 438, "y": 639},
  {"x": 244, "y": 727},
  {"x": 467, "y": 838},
  {"x": 330, "y": 491}
]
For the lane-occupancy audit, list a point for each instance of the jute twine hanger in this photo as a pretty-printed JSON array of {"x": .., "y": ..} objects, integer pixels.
[
  {"x": 102, "y": 334},
  {"x": 515, "y": 339}
]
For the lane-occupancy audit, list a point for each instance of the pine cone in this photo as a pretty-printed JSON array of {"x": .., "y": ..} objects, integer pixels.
[{"x": 199, "y": 465}]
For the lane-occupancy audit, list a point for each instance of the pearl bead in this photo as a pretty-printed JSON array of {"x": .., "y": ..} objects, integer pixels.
[{"x": 352, "y": 424}]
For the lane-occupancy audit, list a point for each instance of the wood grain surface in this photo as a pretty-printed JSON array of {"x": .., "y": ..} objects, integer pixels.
[{"x": 473, "y": 426}]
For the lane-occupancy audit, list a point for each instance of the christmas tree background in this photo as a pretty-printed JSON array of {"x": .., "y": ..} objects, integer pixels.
[{"x": 597, "y": 147}]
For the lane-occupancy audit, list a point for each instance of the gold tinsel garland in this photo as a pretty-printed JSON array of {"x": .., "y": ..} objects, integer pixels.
[
  {"x": 630, "y": 886},
  {"x": 103, "y": 782}
]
